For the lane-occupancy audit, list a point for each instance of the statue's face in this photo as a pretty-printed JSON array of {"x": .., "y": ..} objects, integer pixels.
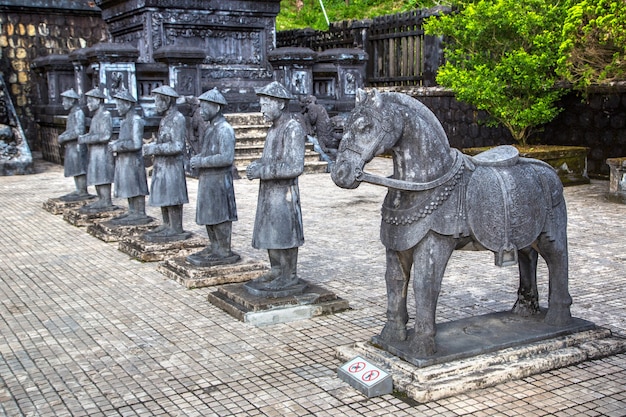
[
  {"x": 271, "y": 108},
  {"x": 209, "y": 110},
  {"x": 93, "y": 103},
  {"x": 123, "y": 106},
  {"x": 161, "y": 103},
  {"x": 68, "y": 103}
]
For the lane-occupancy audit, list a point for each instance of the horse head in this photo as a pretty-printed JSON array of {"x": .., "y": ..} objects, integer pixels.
[{"x": 373, "y": 127}]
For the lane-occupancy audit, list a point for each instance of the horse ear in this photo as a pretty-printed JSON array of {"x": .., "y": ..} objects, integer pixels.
[
  {"x": 361, "y": 96},
  {"x": 377, "y": 99}
]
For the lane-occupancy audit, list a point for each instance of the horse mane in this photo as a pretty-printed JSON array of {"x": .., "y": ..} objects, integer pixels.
[{"x": 418, "y": 110}]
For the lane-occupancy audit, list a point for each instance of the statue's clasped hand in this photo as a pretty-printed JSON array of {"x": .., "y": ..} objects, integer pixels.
[
  {"x": 194, "y": 161},
  {"x": 253, "y": 171},
  {"x": 148, "y": 149}
]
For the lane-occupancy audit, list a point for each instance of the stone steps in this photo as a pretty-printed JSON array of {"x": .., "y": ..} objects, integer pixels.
[{"x": 250, "y": 132}]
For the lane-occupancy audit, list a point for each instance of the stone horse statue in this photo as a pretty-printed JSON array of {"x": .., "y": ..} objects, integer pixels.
[{"x": 440, "y": 200}]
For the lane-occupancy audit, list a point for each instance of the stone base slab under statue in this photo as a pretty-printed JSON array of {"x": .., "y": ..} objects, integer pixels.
[
  {"x": 108, "y": 231},
  {"x": 58, "y": 206},
  {"x": 193, "y": 276},
  {"x": 237, "y": 301},
  {"x": 483, "y": 351},
  {"x": 147, "y": 251},
  {"x": 76, "y": 217}
]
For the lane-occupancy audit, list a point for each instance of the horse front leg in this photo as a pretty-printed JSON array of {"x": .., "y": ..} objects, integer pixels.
[
  {"x": 430, "y": 257},
  {"x": 527, "y": 303},
  {"x": 397, "y": 278}
]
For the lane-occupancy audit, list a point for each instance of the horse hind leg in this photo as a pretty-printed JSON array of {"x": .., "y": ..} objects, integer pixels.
[
  {"x": 554, "y": 250},
  {"x": 527, "y": 303},
  {"x": 397, "y": 277}
]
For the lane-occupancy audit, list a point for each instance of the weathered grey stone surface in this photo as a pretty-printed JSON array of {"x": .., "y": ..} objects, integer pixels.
[
  {"x": 278, "y": 222},
  {"x": 237, "y": 301},
  {"x": 437, "y": 381},
  {"x": 57, "y": 206},
  {"x": 617, "y": 180},
  {"x": 168, "y": 187},
  {"x": 192, "y": 276},
  {"x": 15, "y": 155},
  {"x": 77, "y": 217},
  {"x": 216, "y": 208},
  {"x": 109, "y": 231},
  {"x": 151, "y": 251}
]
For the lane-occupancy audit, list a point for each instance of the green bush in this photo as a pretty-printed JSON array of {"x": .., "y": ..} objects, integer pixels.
[
  {"x": 593, "y": 50},
  {"x": 311, "y": 15},
  {"x": 501, "y": 57}
]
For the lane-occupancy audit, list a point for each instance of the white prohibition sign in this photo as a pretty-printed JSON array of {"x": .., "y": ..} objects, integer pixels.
[
  {"x": 356, "y": 367},
  {"x": 370, "y": 375}
]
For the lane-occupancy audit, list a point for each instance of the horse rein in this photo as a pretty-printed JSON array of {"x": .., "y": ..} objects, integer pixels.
[{"x": 402, "y": 185}]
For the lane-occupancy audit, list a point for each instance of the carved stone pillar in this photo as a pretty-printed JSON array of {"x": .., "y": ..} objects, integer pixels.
[
  {"x": 337, "y": 75},
  {"x": 293, "y": 67}
]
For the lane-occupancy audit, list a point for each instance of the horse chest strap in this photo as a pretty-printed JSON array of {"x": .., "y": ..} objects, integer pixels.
[{"x": 423, "y": 209}]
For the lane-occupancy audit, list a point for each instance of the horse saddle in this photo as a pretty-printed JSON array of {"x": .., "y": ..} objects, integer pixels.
[{"x": 505, "y": 202}]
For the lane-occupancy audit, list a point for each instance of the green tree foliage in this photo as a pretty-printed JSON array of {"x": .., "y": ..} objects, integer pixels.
[
  {"x": 593, "y": 50},
  {"x": 296, "y": 14},
  {"x": 501, "y": 57}
]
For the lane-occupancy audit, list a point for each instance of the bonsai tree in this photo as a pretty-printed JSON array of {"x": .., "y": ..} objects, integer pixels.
[
  {"x": 501, "y": 57},
  {"x": 593, "y": 50}
]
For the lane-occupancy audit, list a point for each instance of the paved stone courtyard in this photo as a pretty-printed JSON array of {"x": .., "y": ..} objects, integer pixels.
[{"x": 86, "y": 331}]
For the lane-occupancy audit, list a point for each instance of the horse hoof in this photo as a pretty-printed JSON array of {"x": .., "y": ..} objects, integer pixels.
[
  {"x": 423, "y": 346},
  {"x": 558, "y": 317},
  {"x": 393, "y": 332},
  {"x": 523, "y": 309}
]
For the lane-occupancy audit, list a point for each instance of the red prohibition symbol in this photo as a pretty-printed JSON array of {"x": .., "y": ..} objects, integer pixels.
[
  {"x": 356, "y": 367},
  {"x": 370, "y": 375}
]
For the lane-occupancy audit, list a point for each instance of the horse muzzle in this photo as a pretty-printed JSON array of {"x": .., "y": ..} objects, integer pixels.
[{"x": 344, "y": 174}]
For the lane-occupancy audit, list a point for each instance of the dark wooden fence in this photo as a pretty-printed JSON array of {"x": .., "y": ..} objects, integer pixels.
[{"x": 399, "y": 52}]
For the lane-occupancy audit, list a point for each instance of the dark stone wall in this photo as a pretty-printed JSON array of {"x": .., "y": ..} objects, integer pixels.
[
  {"x": 598, "y": 122},
  {"x": 38, "y": 28}
]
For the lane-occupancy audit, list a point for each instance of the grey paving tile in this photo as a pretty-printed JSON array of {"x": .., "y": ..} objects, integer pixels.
[{"x": 87, "y": 331}]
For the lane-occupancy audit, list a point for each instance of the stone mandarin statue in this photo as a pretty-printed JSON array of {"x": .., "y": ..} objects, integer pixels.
[
  {"x": 168, "y": 188},
  {"x": 216, "y": 208},
  {"x": 130, "y": 171},
  {"x": 75, "y": 159},
  {"x": 278, "y": 224},
  {"x": 101, "y": 167}
]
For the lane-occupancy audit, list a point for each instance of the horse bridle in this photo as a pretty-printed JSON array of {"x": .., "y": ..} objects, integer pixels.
[
  {"x": 402, "y": 185},
  {"x": 367, "y": 154}
]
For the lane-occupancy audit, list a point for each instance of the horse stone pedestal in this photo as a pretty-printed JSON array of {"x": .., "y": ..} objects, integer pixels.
[
  {"x": 142, "y": 250},
  {"x": 483, "y": 351},
  {"x": 109, "y": 232},
  {"x": 237, "y": 301},
  {"x": 192, "y": 276}
]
